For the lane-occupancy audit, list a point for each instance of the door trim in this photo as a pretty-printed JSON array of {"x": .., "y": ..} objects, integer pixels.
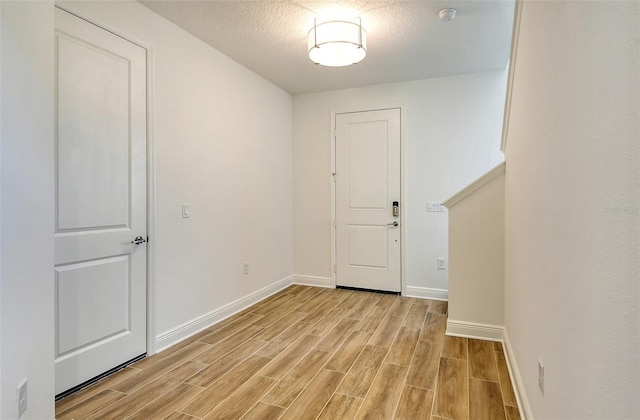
[
  {"x": 95, "y": 19},
  {"x": 332, "y": 182}
]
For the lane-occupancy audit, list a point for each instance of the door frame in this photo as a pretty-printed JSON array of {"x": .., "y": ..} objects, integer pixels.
[
  {"x": 95, "y": 19},
  {"x": 332, "y": 181}
]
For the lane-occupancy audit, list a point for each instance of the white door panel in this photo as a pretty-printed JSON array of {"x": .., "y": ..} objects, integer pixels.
[
  {"x": 93, "y": 140},
  {"x": 368, "y": 250},
  {"x": 100, "y": 180},
  {"x": 367, "y": 246},
  {"x": 367, "y": 156},
  {"x": 96, "y": 290}
]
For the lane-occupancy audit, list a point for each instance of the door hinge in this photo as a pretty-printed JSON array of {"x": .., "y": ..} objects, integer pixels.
[
  {"x": 334, "y": 176},
  {"x": 335, "y": 268},
  {"x": 335, "y": 223},
  {"x": 334, "y": 132}
]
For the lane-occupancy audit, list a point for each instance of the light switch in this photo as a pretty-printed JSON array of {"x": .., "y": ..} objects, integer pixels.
[
  {"x": 435, "y": 206},
  {"x": 186, "y": 210}
]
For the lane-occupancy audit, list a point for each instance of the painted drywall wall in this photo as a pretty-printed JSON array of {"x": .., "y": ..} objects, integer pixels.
[
  {"x": 572, "y": 205},
  {"x": 1, "y": 405},
  {"x": 26, "y": 227},
  {"x": 222, "y": 140},
  {"x": 223, "y": 145},
  {"x": 476, "y": 254},
  {"x": 451, "y": 136}
]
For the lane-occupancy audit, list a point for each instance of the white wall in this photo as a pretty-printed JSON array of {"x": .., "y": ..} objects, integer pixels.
[
  {"x": 1, "y": 282},
  {"x": 572, "y": 209},
  {"x": 476, "y": 258},
  {"x": 26, "y": 228},
  {"x": 452, "y": 129},
  {"x": 223, "y": 144}
]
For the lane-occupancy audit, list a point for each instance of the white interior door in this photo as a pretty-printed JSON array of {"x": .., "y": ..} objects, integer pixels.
[
  {"x": 100, "y": 275},
  {"x": 367, "y": 184}
]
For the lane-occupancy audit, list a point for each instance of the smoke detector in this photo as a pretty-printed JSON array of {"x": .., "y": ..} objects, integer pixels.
[{"x": 447, "y": 15}]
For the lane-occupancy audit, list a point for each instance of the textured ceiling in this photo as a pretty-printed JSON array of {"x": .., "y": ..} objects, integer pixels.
[{"x": 406, "y": 40}]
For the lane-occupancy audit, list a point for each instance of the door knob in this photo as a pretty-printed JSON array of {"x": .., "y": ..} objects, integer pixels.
[
  {"x": 393, "y": 224},
  {"x": 139, "y": 240}
]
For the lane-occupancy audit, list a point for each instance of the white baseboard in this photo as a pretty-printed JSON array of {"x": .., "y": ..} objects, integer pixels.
[
  {"x": 475, "y": 330},
  {"x": 312, "y": 281},
  {"x": 426, "y": 293},
  {"x": 516, "y": 380},
  {"x": 186, "y": 330}
]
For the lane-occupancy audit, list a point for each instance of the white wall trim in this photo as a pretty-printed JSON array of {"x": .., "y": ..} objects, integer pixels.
[
  {"x": 511, "y": 76},
  {"x": 426, "y": 293},
  {"x": 475, "y": 185},
  {"x": 475, "y": 330},
  {"x": 332, "y": 180},
  {"x": 151, "y": 205},
  {"x": 516, "y": 380},
  {"x": 95, "y": 19},
  {"x": 186, "y": 330},
  {"x": 313, "y": 281}
]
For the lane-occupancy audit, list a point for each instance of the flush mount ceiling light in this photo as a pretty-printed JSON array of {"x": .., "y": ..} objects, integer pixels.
[
  {"x": 337, "y": 43},
  {"x": 447, "y": 15}
]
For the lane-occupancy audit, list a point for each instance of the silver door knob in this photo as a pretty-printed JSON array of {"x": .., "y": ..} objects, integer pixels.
[
  {"x": 139, "y": 240},
  {"x": 393, "y": 224}
]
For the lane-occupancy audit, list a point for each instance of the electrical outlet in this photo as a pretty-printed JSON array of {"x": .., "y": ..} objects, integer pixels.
[
  {"x": 245, "y": 267},
  {"x": 541, "y": 376},
  {"x": 21, "y": 398},
  {"x": 442, "y": 263}
]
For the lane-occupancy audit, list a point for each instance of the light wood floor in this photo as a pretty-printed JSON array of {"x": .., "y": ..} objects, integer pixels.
[{"x": 311, "y": 353}]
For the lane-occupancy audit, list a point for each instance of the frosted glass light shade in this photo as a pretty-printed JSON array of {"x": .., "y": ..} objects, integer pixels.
[{"x": 337, "y": 43}]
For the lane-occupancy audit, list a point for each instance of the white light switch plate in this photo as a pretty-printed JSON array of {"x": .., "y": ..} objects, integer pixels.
[
  {"x": 435, "y": 206},
  {"x": 186, "y": 210}
]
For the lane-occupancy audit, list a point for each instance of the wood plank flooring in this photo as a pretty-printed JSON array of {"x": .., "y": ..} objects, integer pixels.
[{"x": 312, "y": 353}]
